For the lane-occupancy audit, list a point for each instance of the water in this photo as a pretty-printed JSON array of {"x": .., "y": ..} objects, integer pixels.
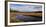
[{"x": 28, "y": 18}]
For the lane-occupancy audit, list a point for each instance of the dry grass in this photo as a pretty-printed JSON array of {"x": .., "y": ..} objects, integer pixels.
[{"x": 13, "y": 15}]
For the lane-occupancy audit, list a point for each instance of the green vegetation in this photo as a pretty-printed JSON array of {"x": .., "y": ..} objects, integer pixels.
[
  {"x": 17, "y": 20},
  {"x": 13, "y": 10}
]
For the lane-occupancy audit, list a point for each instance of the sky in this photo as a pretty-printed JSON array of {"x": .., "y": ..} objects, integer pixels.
[{"x": 25, "y": 7}]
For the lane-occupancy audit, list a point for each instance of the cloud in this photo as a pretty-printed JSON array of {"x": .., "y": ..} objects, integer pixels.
[{"x": 26, "y": 8}]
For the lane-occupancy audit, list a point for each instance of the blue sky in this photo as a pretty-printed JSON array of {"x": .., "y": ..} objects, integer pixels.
[{"x": 25, "y": 7}]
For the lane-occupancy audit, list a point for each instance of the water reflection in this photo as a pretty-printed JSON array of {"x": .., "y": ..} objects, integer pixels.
[{"x": 28, "y": 18}]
